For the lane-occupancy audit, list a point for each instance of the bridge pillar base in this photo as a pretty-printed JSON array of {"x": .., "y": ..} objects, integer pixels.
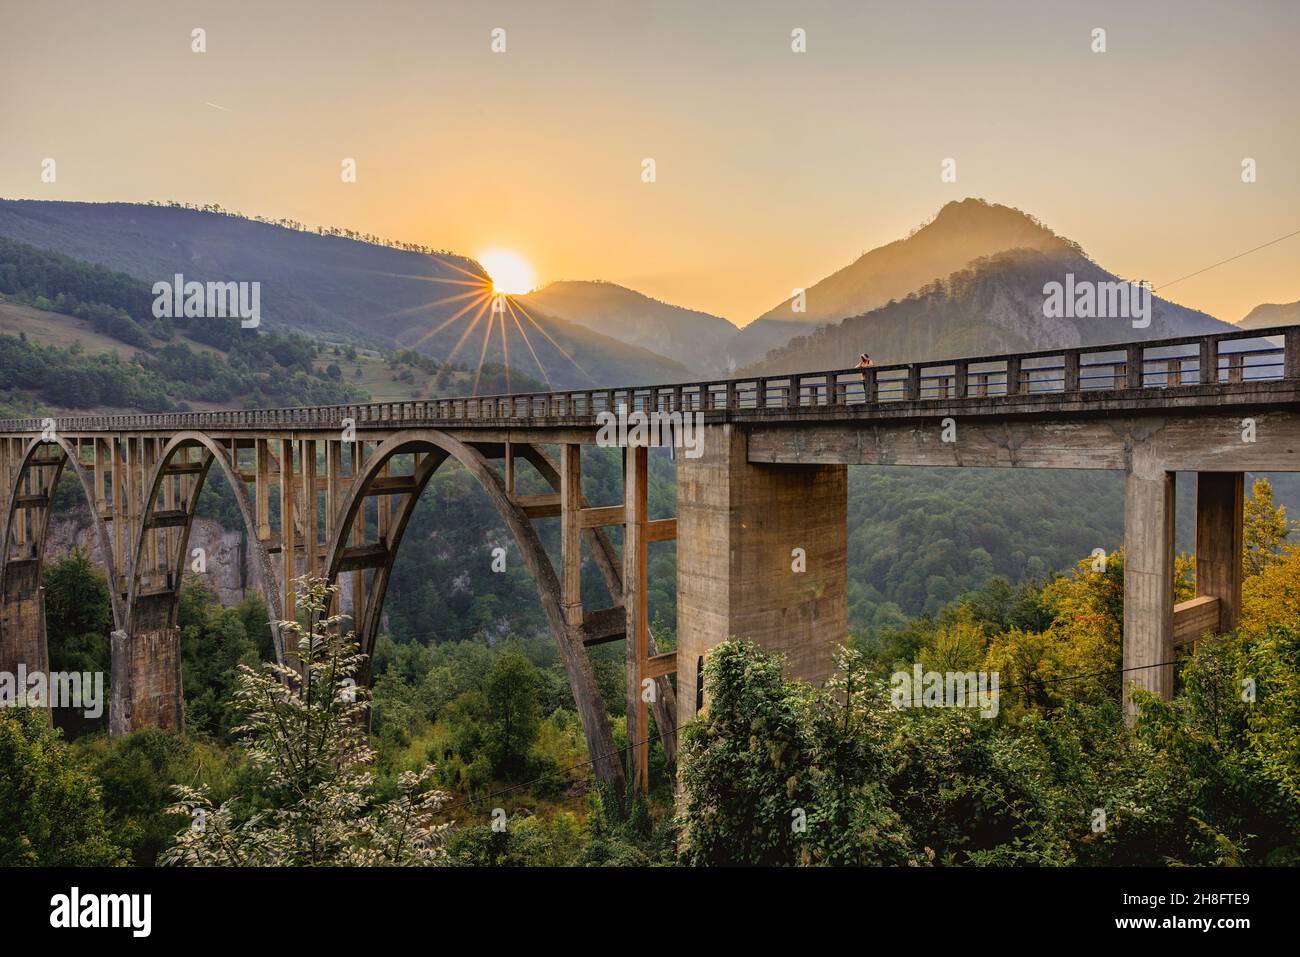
[
  {"x": 22, "y": 634},
  {"x": 1148, "y": 585},
  {"x": 147, "y": 672},
  {"x": 761, "y": 555}
]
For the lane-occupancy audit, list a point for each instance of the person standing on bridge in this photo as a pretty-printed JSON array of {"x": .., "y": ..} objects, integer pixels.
[{"x": 864, "y": 362}]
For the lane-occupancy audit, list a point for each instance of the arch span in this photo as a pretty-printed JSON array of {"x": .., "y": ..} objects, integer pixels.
[
  {"x": 149, "y": 648},
  {"x": 437, "y": 446},
  {"x": 28, "y": 507}
]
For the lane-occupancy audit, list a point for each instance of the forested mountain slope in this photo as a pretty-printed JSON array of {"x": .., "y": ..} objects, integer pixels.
[{"x": 347, "y": 288}]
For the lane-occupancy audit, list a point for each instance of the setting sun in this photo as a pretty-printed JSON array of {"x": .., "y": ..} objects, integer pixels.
[{"x": 510, "y": 273}]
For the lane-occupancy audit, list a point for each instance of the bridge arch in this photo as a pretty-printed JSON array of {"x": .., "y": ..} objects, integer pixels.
[
  {"x": 150, "y": 652},
  {"x": 40, "y": 477},
  {"x": 69, "y": 456},
  {"x": 437, "y": 446},
  {"x": 22, "y": 618},
  {"x": 211, "y": 453}
]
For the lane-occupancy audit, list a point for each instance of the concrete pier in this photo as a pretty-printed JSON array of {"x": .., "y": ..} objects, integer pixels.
[{"x": 741, "y": 529}]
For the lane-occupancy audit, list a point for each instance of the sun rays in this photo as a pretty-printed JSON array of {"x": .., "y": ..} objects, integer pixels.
[{"x": 486, "y": 305}]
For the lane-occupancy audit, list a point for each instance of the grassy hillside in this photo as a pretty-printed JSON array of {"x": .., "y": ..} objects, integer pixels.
[
  {"x": 55, "y": 329},
  {"x": 406, "y": 374}
]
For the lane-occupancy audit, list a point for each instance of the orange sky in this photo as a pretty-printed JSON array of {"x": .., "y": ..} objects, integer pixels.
[{"x": 773, "y": 168}]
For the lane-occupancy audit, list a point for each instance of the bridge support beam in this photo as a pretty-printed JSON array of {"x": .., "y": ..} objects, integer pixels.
[
  {"x": 761, "y": 555},
  {"x": 1220, "y": 498},
  {"x": 1148, "y": 584}
]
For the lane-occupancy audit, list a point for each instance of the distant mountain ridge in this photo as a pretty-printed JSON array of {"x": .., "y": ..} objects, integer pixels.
[
  {"x": 696, "y": 339},
  {"x": 968, "y": 282},
  {"x": 337, "y": 287},
  {"x": 993, "y": 306},
  {"x": 1271, "y": 314},
  {"x": 961, "y": 232}
]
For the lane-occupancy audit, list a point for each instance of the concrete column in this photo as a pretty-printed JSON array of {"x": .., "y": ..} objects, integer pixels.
[
  {"x": 1219, "y": 541},
  {"x": 1148, "y": 582},
  {"x": 22, "y": 621},
  {"x": 570, "y": 531},
  {"x": 636, "y": 607},
  {"x": 147, "y": 669},
  {"x": 738, "y": 526}
]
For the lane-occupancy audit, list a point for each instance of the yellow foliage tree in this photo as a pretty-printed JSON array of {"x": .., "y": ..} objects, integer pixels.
[
  {"x": 1272, "y": 595},
  {"x": 956, "y": 645},
  {"x": 1265, "y": 528},
  {"x": 1084, "y": 639}
]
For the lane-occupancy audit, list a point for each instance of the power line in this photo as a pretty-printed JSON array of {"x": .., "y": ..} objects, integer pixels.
[{"x": 1271, "y": 242}]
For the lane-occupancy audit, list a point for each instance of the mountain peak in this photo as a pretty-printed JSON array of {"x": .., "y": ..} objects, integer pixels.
[
  {"x": 962, "y": 231},
  {"x": 975, "y": 210}
]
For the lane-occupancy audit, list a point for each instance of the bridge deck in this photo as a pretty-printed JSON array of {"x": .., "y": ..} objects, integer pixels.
[{"x": 1238, "y": 368}]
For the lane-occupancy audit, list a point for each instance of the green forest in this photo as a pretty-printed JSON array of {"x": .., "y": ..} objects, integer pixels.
[{"x": 469, "y": 753}]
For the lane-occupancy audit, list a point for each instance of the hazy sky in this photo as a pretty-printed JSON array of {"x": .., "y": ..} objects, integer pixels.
[{"x": 774, "y": 168}]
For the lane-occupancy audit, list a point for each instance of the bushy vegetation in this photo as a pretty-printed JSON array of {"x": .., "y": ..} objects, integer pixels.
[
  {"x": 51, "y": 809},
  {"x": 216, "y": 643},
  {"x": 471, "y": 738},
  {"x": 781, "y": 773},
  {"x": 56, "y": 376},
  {"x": 310, "y": 795},
  {"x": 777, "y": 772}
]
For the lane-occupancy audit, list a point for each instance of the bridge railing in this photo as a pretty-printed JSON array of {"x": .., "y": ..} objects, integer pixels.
[{"x": 1222, "y": 358}]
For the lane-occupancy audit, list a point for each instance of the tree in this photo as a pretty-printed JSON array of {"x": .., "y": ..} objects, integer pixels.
[
  {"x": 215, "y": 641},
  {"x": 78, "y": 614},
  {"x": 1232, "y": 732},
  {"x": 744, "y": 762},
  {"x": 312, "y": 795},
  {"x": 1266, "y": 528},
  {"x": 136, "y": 773},
  {"x": 1272, "y": 596},
  {"x": 51, "y": 814},
  {"x": 511, "y": 693}
]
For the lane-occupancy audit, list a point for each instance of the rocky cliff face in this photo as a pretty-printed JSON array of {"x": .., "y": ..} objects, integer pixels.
[{"x": 230, "y": 578}]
